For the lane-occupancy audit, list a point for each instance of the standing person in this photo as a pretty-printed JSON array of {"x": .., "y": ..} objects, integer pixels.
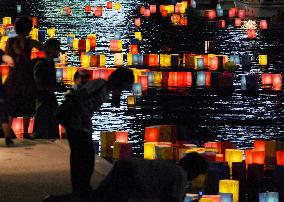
[
  {"x": 20, "y": 85},
  {"x": 75, "y": 114},
  {"x": 46, "y": 125}
]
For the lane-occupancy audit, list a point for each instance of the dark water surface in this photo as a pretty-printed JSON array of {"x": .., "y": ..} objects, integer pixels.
[{"x": 237, "y": 116}]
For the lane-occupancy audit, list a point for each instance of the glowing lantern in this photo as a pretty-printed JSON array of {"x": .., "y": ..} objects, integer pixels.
[
  {"x": 133, "y": 49},
  {"x": 138, "y": 35},
  {"x": 137, "y": 60},
  {"x": 230, "y": 186},
  {"x": 227, "y": 197},
  {"x": 19, "y": 8},
  {"x": 170, "y": 9},
  {"x": 280, "y": 158},
  {"x": 165, "y": 60},
  {"x": 137, "y": 89},
  {"x": 131, "y": 100},
  {"x": 102, "y": 60},
  {"x": 143, "y": 79},
  {"x": 82, "y": 45},
  {"x": 51, "y": 32},
  {"x": 98, "y": 11},
  {"x": 164, "y": 152},
  {"x": 18, "y": 126},
  {"x": 251, "y": 33},
  {"x": 259, "y": 145},
  {"x": 37, "y": 54},
  {"x": 242, "y": 13},
  {"x": 276, "y": 81},
  {"x": 117, "y": 6},
  {"x": 4, "y": 72},
  {"x": 213, "y": 63},
  {"x": 7, "y": 21},
  {"x": 258, "y": 157},
  {"x": 66, "y": 11},
  {"x": 238, "y": 22},
  {"x": 70, "y": 38},
  {"x": 213, "y": 198},
  {"x": 183, "y": 21},
  {"x": 201, "y": 78},
  {"x": 211, "y": 14},
  {"x": 193, "y": 4},
  {"x": 34, "y": 21},
  {"x": 153, "y": 9},
  {"x": 3, "y": 42},
  {"x": 164, "y": 13},
  {"x": 175, "y": 18},
  {"x": 263, "y": 24},
  {"x": 121, "y": 136},
  {"x": 115, "y": 45},
  {"x": 34, "y": 34},
  {"x": 219, "y": 157},
  {"x": 248, "y": 154},
  {"x": 122, "y": 151},
  {"x": 199, "y": 63},
  {"x": 216, "y": 145},
  {"x": 152, "y": 134},
  {"x": 107, "y": 141},
  {"x": 118, "y": 59},
  {"x": 233, "y": 155},
  {"x": 88, "y": 9},
  {"x": 149, "y": 150},
  {"x": 266, "y": 79},
  {"x": 269, "y": 197},
  {"x": 220, "y": 12},
  {"x": 235, "y": 59},
  {"x": 152, "y": 60},
  {"x": 222, "y": 23},
  {"x": 147, "y": 13},
  {"x": 262, "y": 60},
  {"x": 232, "y": 12},
  {"x": 137, "y": 22},
  {"x": 93, "y": 40},
  {"x": 63, "y": 58},
  {"x": 109, "y": 5}
]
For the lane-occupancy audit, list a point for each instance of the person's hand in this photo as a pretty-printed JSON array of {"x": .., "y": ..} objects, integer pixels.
[{"x": 8, "y": 60}]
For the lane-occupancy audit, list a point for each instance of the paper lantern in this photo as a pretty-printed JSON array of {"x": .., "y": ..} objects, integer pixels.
[
  {"x": 3, "y": 42},
  {"x": 199, "y": 62},
  {"x": 259, "y": 145},
  {"x": 122, "y": 151},
  {"x": 238, "y": 22},
  {"x": 51, "y": 32},
  {"x": 164, "y": 152},
  {"x": 251, "y": 33},
  {"x": 170, "y": 9},
  {"x": 233, "y": 155},
  {"x": 266, "y": 79},
  {"x": 118, "y": 59},
  {"x": 227, "y": 197},
  {"x": 70, "y": 38},
  {"x": 258, "y": 157},
  {"x": 164, "y": 13},
  {"x": 165, "y": 60},
  {"x": 121, "y": 136},
  {"x": 153, "y": 60},
  {"x": 152, "y": 134},
  {"x": 220, "y": 12},
  {"x": 34, "y": 34},
  {"x": 178, "y": 8},
  {"x": 117, "y": 6},
  {"x": 85, "y": 60},
  {"x": 137, "y": 60},
  {"x": 262, "y": 60},
  {"x": 18, "y": 126},
  {"x": 183, "y": 21},
  {"x": 242, "y": 13},
  {"x": 276, "y": 81},
  {"x": 93, "y": 40},
  {"x": 280, "y": 158},
  {"x": 153, "y": 9},
  {"x": 149, "y": 150},
  {"x": 213, "y": 63},
  {"x": 138, "y": 35},
  {"x": 19, "y": 8},
  {"x": 143, "y": 79},
  {"x": 115, "y": 45},
  {"x": 222, "y": 23},
  {"x": 211, "y": 14},
  {"x": 88, "y": 9},
  {"x": 248, "y": 154},
  {"x": 137, "y": 22},
  {"x": 133, "y": 49},
  {"x": 230, "y": 186},
  {"x": 269, "y": 197},
  {"x": 4, "y": 69},
  {"x": 37, "y": 54},
  {"x": 107, "y": 141},
  {"x": 137, "y": 89},
  {"x": 213, "y": 198},
  {"x": 201, "y": 79},
  {"x": 263, "y": 24},
  {"x": 102, "y": 60},
  {"x": 216, "y": 145},
  {"x": 147, "y": 13},
  {"x": 109, "y": 5},
  {"x": 219, "y": 157},
  {"x": 7, "y": 21},
  {"x": 175, "y": 18},
  {"x": 131, "y": 100},
  {"x": 232, "y": 12},
  {"x": 98, "y": 11}
]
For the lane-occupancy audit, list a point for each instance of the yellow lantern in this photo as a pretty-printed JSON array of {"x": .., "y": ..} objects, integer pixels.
[
  {"x": 88, "y": 45},
  {"x": 164, "y": 152},
  {"x": 138, "y": 35},
  {"x": 118, "y": 59},
  {"x": 85, "y": 60},
  {"x": 102, "y": 60},
  {"x": 3, "y": 42},
  {"x": 76, "y": 44},
  {"x": 230, "y": 186},
  {"x": 63, "y": 58},
  {"x": 7, "y": 21},
  {"x": 205, "y": 200},
  {"x": 70, "y": 71},
  {"x": 184, "y": 4},
  {"x": 34, "y": 34},
  {"x": 107, "y": 141},
  {"x": 158, "y": 77},
  {"x": 131, "y": 100},
  {"x": 262, "y": 60},
  {"x": 51, "y": 32},
  {"x": 149, "y": 150},
  {"x": 233, "y": 155},
  {"x": 165, "y": 60},
  {"x": 117, "y": 6},
  {"x": 129, "y": 59},
  {"x": 170, "y": 9}
]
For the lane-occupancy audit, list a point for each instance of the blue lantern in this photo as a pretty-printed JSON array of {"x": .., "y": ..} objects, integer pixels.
[
  {"x": 226, "y": 197},
  {"x": 200, "y": 63},
  {"x": 137, "y": 89},
  {"x": 41, "y": 35},
  {"x": 235, "y": 59},
  {"x": 117, "y": 36},
  {"x": 220, "y": 12},
  {"x": 218, "y": 6},
  {"x": 135, "y": 59},
  {"x": 201, "y": 79},
  {"x": 59, "y": 74},
  {"x": 19, "y": 8},
  {"x": 70, "y": 40},
  {"x": 269, "y": 197},
  {"x": 193, "y": 4}
]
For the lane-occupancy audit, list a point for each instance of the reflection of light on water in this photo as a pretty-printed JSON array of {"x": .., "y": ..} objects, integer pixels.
[{"x": 250, "y": 24}]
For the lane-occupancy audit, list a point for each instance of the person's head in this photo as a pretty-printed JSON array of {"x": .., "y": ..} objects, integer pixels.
[
  {"x": 194, "y": 165},
  {"x": 81, "y": 77},
  {"x": 121, "y": 79},
  {"x": 52, "y": 48},
  {"x": 23, "y": 25}
]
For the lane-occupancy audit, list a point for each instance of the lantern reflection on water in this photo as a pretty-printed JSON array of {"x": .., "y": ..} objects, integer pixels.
[
  {"x": 230, "y": 186},
  {"x": 131, "y": 100},
  {"x": 88, "y": 9}
]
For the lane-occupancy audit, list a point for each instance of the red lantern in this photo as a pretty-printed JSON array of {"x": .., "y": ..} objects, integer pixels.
[
  {"x": 213, "y": 63},
  {"x": 93, "y": 42},
  {"x": 238, "y": 22},
  {"x": 248, "y": 154},
  {"x": 242, "y": 13},
  {"x": 205, "y": 60},
  {"x": 121, "y": 136},
  {"x": 82, "y": 45},
  {"x": 280, "y": 158},
  {"x": 208, "y": 79},
  {"x": 185, "y": 78},
  {"x": 109, "y": 5},
  {"x": 142, "y": 10},
  {"x": 18, "y": 126},
  {"x": 258, "y": 157},
  {"x": 37, "y": 54},
  {"x": 98, "y": 11},
  {"x": 95, "y": 61},
  {"x": 232, "y": 12},
  {"x": 211, "y": 14},
  {"x": 183, "y": 21},
  {"x": 152, "y": 134},
  {"x": 162, "y": 8},
  {"x": 164, "y": 13},
  {"x": 222, "y": 23},
  {"x": 259, "y": 145},
  {"x": 266, "y": 79},
  {"x": 133, "y": 49},
  {"x": 147, "y": 13},
  {"x": 88, "y": 9},
  {"x": 216, "y": 145},
  {"x": 219, "y": 157},
  {"x": 277, "y": 81},
  {"x": 263, "y": 24},
  {"x": 143, "y": 79},
  {"x": 153, "y": 60},
  {"x": 137, "y": 22},
  {"x": 153, "y": 9},
  {"x": 251, "y": 33},
  {"x": 34, "y": 20},
  {"x": 4, "y": 69}
]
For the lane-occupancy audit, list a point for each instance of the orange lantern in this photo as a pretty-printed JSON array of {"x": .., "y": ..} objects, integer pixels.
[
  {"x": 208, "y": 79},
  {"x": 162, "y": 8},
  {"x": 164, "y": 13},
  {"x": 121, "y": 136},
  {"x": 175, "y": 18},
  {"x": 147, "y": 13},
  {"x": 137, "y": 22},
  {"x": 213, "y": 63},
  {"x": 93, "y": 41},
  {"x": 143, "y": 79},
  {"x": 266, "y": 79},
  {"x": 109, "y": 5},
  {"x": 18, "y": 126},
  {"x": 153, "y": 9},
  {"x": 4, "y": 72},
  {"x": 37, "y": 54},
  {"x": 153, "y": 60},
  {"x": 238, "y": 22},
  {"x": 280, "y": 158},
  {"x": 277, "y": 82},
  {"x": 220, "y": 157},
  {"x": 133, "y": 49},
  {"x": 34, "y": 20},
  {"x": 142, "y": 10},
  {"x": 251, "y": 33},
  {"x": 222, "y": 23},
  {"x": 88, "y": 9},
  {"x": 232, "y": 12},
  {"x": 259, "y": 145},
  {"x": 242, "y": 13},
  {"x": 183, "y": 21},
  {"x": 152, "y": 134},
  {"x": 115, "y": 45},
  {"x": 211, "y": 14},
  {"x": 98, "y": 11},
  {"x": 216, "y": 145},
  {"x": 248, "y": 154},
  {"x": 263, "y": 24},
  {"x": 258, "y": 157}
]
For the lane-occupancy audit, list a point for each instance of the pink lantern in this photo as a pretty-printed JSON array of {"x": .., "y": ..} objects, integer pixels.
[
  {"x": 238, "y": 22},
  {"x": 263, "y": 24},
  {"x": 137, "y": 22},
  {"x": 153, "y": 9},
  {"x": 251, "y": 33},
  {"x": 277, "y": 81},
  {"x": 147, "y": 13},
  {"x": 242, "y": 13},
  {"x": 121, "y": 136}
]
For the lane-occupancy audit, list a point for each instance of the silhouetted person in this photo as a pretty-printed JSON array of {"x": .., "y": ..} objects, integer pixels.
[
  {"x": 46, "y": 125},
  {"x": 20, "y": 85},
  {"x": 75, "y": 115}
]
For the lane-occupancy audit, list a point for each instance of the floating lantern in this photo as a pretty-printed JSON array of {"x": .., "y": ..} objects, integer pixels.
[
  {"x": 262, "y": 60},
  {"x": 131, "y": 100},
  {"x": 269, "y": 197},
  {"x": 238, "y": 22},
  {"x": 147, "y": 13},
  {"x": 3, "y": 42},
  {"x": 201, "y": 79},
  {"x": 63, "y": 58},
  {"x": 220, "y": 12},
  {"x": 93, "y": 40},
  {"x": 102, "y": 60},
  {"x": 138, "y": 35},
  {"x": 251, "y": 33},
  {"x": 4, "y": 72},
  {"x": 133, "y": 49},
  {"x": 122, "y": 151},
  {"x": 276, "y": 81},
  {"x": 263, "y": 24},
  {"x": 212, "y": 198},
  {"x": 233, "y": 155},
  {"x": 248, "y": 154},
  {"x": 222, "y": 23},
  {"x": 115, "y": 45},
  {"x": 88, "y": 9},
  {"x": 121, "y": 136},
  {"x": 211, "y": 14},
  {"x": 242, "y": 13},
  {"x": 143, "y": 79},
  {"x": 51, "y": 32},
  {"x": 137, "y": 89},
  {"x": 18, "y": 126},
  {"x": 164, "y": 152},
  {"x": 199, "y": 63},
  {"x": 227, "y": 197},
  {"x": 149, "y": 150},
  {"x": 175, "y": 18},
  {"x": 164, "y": 13},
  {"x": 19, "y": 8},
  {"x": 170, "y": 9},
  {"x": 98, "y": 11},
  {"x": 266, "y": 79},
  {"x": 152, "y": 134},
  {"x": 258, "y": 157},
  {"x": 109, "y": 5},
  {"x": 183, "y": 21},
  {"x": 153, "y": 9},
  {"x": 213, "y": 63},
  {"x": 137, "y": 60},
  {"x": 232, "y": 12},
  {"x": 7, "y": 21},
  {"x": 107, "y": 141},
  {"x": 153, "y": 60},
  {"x": 230, "y": 186},
  {"x": 34, "y": 34},
  {"x": 129, "y": 60},
  {"x": 180, "y": 79},
  {"x": 82, "y": 45},
  {"x": 70, "y": 38},
  {"x": 165, "y": 60},
  {"x": 191, "y": 197},
  {"x": 118, "y": 59},
  {"x": 117, "y": 6},
  {"x": 259, "y": 145},
  {"x": 280, "y": 158},
  {"x": 137, "y": 22}
]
